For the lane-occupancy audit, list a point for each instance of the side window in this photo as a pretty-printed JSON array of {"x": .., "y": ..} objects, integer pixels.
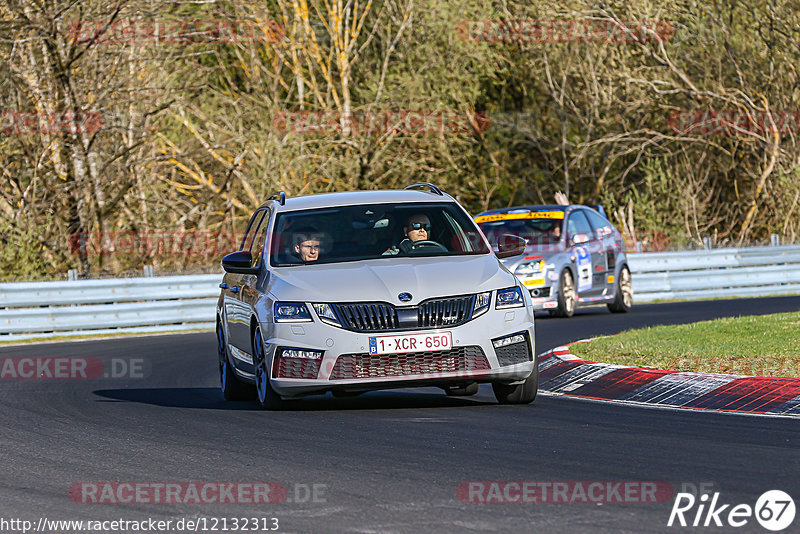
[
  {"x": 260, "y": 239},
  {"x": 578, "y": 228},
  {"x": 247, "y": 242},
  {"x": 601, "y": 226}
]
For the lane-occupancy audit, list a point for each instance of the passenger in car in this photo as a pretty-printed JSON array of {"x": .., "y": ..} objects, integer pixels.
[{"x": 417, "y": 228}]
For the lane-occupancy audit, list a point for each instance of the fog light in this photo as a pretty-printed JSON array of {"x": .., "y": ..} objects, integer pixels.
[
  {"x": 510, "y": 340},
  {"x": 302, "y": 354}
]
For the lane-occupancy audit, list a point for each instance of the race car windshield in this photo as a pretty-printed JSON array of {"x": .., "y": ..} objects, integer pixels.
[
  {"x": 354, "y": 233},
  {"x": 536, "y": 228}
]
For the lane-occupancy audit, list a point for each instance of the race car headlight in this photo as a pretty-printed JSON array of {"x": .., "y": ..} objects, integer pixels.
[
  {"x": 527, "y": 269},
  {"x": 326, "y": 315},
  {"x": 482, "y": 301},
  {"x": 509, "y": 298},
  {"x": 291, "y": 312}
]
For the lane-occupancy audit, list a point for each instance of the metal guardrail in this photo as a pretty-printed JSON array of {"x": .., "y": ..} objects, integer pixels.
[
  {"x": 727, "y": 272},
  {"x": 173, "y": 303}
]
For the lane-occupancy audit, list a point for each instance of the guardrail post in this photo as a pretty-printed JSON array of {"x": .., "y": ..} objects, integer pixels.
[
  {"x": 148, "y": 270},
  {"x": 707, "y": 243},
  {"x": 72, "y": 275},
  {"x": 776, "y": 240}
]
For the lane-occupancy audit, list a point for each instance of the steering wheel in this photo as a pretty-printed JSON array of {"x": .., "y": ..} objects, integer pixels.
[{"x": 417, "y": 245}]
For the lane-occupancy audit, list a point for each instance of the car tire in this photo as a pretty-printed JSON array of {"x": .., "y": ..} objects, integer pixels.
[
  {"x": 524, "y": 393},
  {"x": 462, "y": 391},
  {"x": 232, "y": 388},
  {"x": 267, "y": 398},
  {"x": 623, "y": 296},
  {"x": 566, "y": 295}
]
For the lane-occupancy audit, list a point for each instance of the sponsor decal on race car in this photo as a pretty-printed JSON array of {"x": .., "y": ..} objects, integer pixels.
[
  {"x": 584, "y": 261},
  {"x": 535, "y": 281}
]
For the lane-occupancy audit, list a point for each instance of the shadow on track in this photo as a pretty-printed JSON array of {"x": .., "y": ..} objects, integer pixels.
[{"x": 211, "y": 399}]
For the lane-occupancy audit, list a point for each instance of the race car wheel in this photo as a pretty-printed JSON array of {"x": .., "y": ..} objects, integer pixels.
[
  {"x": 232, "y": 388},
  {"x": 267, "y": 398},
  {"x": 524, "y": 393},
  {"x": 623, "y": 296},
  {"x": 566, "y": 296}
]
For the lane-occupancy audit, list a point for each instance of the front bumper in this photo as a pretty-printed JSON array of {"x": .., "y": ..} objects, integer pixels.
[
  {"x": 346, "y": 364},
  {"x": 544, "y": 295}
]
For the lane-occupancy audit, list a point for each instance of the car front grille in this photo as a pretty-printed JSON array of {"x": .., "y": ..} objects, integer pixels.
[
  {"x": 514, "y": 353},
  {"x": 466, "y": 359},
  {"x": 445, "y": 312},
  {"x": 368, "y": 317},
  {"x": 383, "y": 317}
]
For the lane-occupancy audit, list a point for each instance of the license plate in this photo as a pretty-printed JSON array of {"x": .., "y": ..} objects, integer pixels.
[{"x": 410, "y": 343}]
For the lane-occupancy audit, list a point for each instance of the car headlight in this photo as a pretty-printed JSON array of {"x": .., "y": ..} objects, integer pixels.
[
  {"x": 482, "y": 301},
  {"x": 527, "y": 269},
  {"x": 509, "y": 298},
  {"x": 291, "y": 312},
  {"x": 326, "y": 315}
]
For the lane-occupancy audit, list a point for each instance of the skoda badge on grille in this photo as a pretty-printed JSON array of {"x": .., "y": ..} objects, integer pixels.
[{"x": 404, "y": 297}]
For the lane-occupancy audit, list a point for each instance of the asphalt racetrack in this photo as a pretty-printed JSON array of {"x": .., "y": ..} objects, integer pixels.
[{"x": 384, "y": 462}]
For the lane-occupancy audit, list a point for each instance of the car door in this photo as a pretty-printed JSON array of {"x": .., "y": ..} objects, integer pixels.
[
  {"x": 237, "y": 315},
  {"x": 604, "y": 231},
  {"x": 587, "y": 251},
  {"x": 248, "y": 288}
]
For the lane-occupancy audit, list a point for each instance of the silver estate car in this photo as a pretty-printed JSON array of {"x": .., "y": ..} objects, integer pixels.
[
  {"x": 574, "y": 256},
  {"x": 337, "y": 292}
]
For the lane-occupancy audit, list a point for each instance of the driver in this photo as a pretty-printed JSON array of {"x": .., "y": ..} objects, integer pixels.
[{"x": 417, "y": 228}]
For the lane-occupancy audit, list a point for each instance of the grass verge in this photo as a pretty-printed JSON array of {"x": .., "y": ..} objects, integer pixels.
[{"x": 761, "y": 345}]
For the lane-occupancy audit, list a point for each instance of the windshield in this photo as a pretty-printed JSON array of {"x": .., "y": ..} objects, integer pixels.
[
  {"x": 353, "y": 233},
  {"x": 538, "y": 228}
]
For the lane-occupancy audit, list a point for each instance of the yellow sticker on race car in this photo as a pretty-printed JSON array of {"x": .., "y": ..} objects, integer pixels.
[
  {"x": 539, "y": 281},
  {"x": 526, "y": 215},
  {"x": 610, "y": 278}
]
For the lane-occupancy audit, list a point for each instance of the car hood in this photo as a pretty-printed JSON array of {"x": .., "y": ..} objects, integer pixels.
[{"x": 384, "y": 279}]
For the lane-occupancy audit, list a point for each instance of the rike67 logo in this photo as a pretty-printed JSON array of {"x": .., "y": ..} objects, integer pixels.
[{"x": 774, "y": 510}]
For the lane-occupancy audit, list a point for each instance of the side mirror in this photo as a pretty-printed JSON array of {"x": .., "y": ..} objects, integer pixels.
[
  {"x": 239, "y": 263},
  {"x": 577, "y": 239},
  {"x": 510, "y": 245}
]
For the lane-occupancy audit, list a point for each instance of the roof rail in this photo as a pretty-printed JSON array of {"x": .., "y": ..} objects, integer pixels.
[
  {"x": 430, "y": 187},
  {"x": 280, "y": 197}
]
